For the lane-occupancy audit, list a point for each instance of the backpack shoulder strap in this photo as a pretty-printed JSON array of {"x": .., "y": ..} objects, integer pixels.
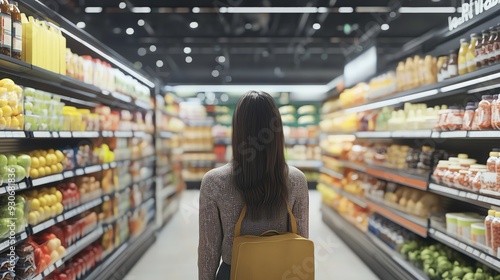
[{"x": 237, "y": 228}]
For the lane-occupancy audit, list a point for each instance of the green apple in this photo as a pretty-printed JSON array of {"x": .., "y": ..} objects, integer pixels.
[
  {"x": 28, "y": 106},
  {"x": 24, "y": 161},
  {"x": 4, "y": 227},
  {"x": 19, "y": 214},
  {"x": 20, "y": 201},
  {"x": 4, "y": 170},
  {"x": 19, "y": 172},
  {"x": 29, "y": 91},
  {"x": 11, "y": 159},
  {"x": 3, "y": 160}
]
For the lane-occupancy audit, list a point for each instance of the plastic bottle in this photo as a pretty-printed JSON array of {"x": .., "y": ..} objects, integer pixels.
[
  {"x": 469, "y": 113},
  {"x": 471, "y": 53},
  {"x": 462, "y": 60},
  {"x": 483, "y": 112},
  {"x": 492, "y": 160},
  {"x": 483, "y": 54},
  {"x": 496, "y": 45},
  {"x": 487, "y": 224},
  {"x": 452, "y": 65},
  {"x": 17, "y": 31},
  {"x": 5, "y": 27},
  {"x": 495, "y": 114},
  {"x": 443, "y": 72},
  {"x": 495, "y": 233},
  {"x": 491, "y": 46}
]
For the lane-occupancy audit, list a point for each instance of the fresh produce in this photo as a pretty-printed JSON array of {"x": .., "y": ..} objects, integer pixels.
[
  {"x": 14, "y": 167},
  {"x": 70, "y": 194},
  {"x": 7, "y": 215},
  {"x": 48, "y": 250},
  {"x": 44, "y": 203},
  {"x": 11, "y": 106},
  {"x": 43, "y": 111},
  {"x": 46, "y": 162},
  {"x": 441, "y": 262}
]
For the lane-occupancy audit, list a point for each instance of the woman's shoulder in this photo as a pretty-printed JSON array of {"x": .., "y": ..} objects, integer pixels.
[
  {"x": 217, "y": 177},
  {"x": 296, "y": 177}
]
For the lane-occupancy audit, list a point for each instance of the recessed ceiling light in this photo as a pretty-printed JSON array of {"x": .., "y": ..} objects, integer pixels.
[
  {"x": 224, "y": 97},
  {"x": 187, "y": 50},
  {"x": 221, "y": 59},
  {"x": 152, "y": 48},
  {"x": 141, "y": 10},
  {"x": 93, "y": 10},
  {"x": 193, "y": 24},
  {"x": 189, "y": 59},
  {"x": 215, "y": 73},
  {"x": 81, "y": 24},
  {"x": 117, "y": 30},
  {"x": 248, "y": 26},
  {"x": 159, "y": 63},
  {"x": 122, "y": 5},
  {"x": 196, "y": 10},
  {"x": 322, "y": 10},
  {"x": 384, "y": 26},
  {"x": 229, "y": 79},
  {"x": 141, "y": 22},
  {"x": 346, "y": 10},
  {"x": 201, "y": 96},
  {"x": 316, "y": 26},
  {"x": 138, "y": 64},
  {"x": 130, "y": 31},
  {"x": 141, "y": 51}
]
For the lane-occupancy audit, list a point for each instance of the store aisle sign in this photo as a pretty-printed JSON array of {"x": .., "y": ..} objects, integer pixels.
[{"x": 470, "y": 10}]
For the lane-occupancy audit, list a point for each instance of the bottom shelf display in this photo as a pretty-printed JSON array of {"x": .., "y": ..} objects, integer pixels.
[{"x": 393, "y": 252}]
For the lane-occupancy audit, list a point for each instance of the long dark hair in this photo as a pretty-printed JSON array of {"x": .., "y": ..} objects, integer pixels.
[{"x": 260, "y": 171}]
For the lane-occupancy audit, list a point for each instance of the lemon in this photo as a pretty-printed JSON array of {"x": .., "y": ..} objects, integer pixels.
[
  {"x": 42, "y": 161},
  {"x": 3, "y": 123},
  {"x": 8, "y": 120},
  {"x": 3, "y": 102},
  {"x": 59, "y": 196},
  {"x": 32, "y": 220},
  {"x": 34, "y": 204},
  {"x": 48, "y": 198},
  {"x": 7, "y": 111},
  {"x": 20, "y": 118},
  {"x": 48, "y": 160},
  {"x": 48, "y": 170},
  {"x": 53, "y": 199},
  {"x": 52, "y": 190},
  {"x": 53, "y": 168},
  {"x": 41, "y": 171},
  {"x": 35, "y": 163},
  {"x": 6, "y": 81},
  {"x": 59, "y": 167},
  {"x": 48, "y": 211},
  {"x": 18, "y": 89},
  {"x": 34, "y": 173},
  {"x": 14, "y": 123},
  {"x": 59, "y": 208},
  {"x": 53, "y": 210},
  {"x": 42, "y": 202},
  {"x": 37, "y": 153},
  {"x": 43, "y": 153},
  {"x": 59, "y": 155}
]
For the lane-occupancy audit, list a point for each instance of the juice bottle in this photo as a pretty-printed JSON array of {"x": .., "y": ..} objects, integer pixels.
[
  {"x": 487, "y": 224},
  {"x": 483, "y": 51},
  {"x": 495, "y": 233},
  {"x": 400, "y": 76},
  {"x": 17, "y": 31},
  {"x": 471, "y": 53},
  {"x": 483, "y": 112},
  {"x": 462, "y": 60},
  {"x": 443, "y": 71},
  {"x": 409, "y": 73},
  {"x": 6, "y": 28},
  {"x": 495, "y": 113},
  {"x": 452, "y": 65},
  {"x": 491, "y": 46}
]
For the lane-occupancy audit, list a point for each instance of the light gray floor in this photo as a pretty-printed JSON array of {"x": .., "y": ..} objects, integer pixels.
[{"x": 174, "y": 255}]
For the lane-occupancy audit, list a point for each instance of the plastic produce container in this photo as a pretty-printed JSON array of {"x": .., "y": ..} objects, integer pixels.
[
  {"x": 464, "y": 225},
  {"x": 478, "y": 234}
]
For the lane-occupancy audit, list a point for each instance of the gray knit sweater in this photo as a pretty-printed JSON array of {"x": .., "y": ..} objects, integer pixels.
[{"x": 220, "y": 207}]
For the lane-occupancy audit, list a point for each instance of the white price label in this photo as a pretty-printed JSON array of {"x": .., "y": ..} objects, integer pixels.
[
  {"x": 79, "y": 172},
  {"x": 68, "y": 174},
  {"x": 65, "y": 134}
]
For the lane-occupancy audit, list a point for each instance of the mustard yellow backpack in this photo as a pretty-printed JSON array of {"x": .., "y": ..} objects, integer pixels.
[{"x": 272, "y": 255}]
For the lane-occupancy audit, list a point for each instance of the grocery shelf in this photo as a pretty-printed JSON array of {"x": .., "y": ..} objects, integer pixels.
[
  {"x": 314, "y": 164},
  {"x": 425, "y": 134},
  {"x": 352, "y": 165},
  {"x": 49, "y": 270},
  {"x": 6, "y": 242},
  {"x": 358, "y": 200},
  {"x": 83, "y": 243},
  {"x": 222, "y": 141},
  {"x": 301, "y": 141},
  {"x": 448, "y": 87},
  {"x": 398, "y": 258},
  {"x": 412, "y": 223},
  {"x": 119, "y": 262},
  {"x": 465, "y": 249},
  {"x": 71, "y": 134},
  {"x": 381, "y": 263},
  {"x": 66, "y": 215},
  {"x": 469, "y": 197},
  {"x": 332, "y": 173}
]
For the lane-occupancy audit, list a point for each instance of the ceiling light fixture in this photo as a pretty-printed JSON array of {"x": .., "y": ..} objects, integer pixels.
[
  {"x": 141, "y": 10},
  {"x": 81, "y": 24},
  {"x": 272, "y": 10},
  {"x": 122, "y": 5},
  {"x": 427, "y": 10},
  {"x": 471, "y": 82},
  {"x": 189, "y": 59},
  {"x": 322, "y": 10},
  {"x": 215, "y": 73},
  {"x": 224, "y": 97},
  {"x": 152, "y": 48},
  {"x": 372, "y": 9},
  {"x": 384, "y": 26},
  {"x": 187, "y": 50},
  {"x": 93, "y": 10},
  {"x": 316, "y": 26},
  {"x": 193, "y": 24},
  {"x": 248, "y": 26},
  {"x": 159, "y": 63},
  {"x": 221, "y": 59},
  {"x": 117, "y": 30},
  {"x": 141, "y": 51},
  {"x": 141, "y": 22},
  {"x": 346, "y": 10},
  {"x": 130, "y": 31},
  {"x": 196, "y": 10}
]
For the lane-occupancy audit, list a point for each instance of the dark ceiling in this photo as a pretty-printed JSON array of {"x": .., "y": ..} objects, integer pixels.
[{"x": 263, "y": 48}]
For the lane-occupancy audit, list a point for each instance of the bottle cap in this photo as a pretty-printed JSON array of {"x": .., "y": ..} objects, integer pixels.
[
  {"x": 463, "y": 41},
  {"x": 493, "y": 154},
  {"x": 491, "y": 212}
]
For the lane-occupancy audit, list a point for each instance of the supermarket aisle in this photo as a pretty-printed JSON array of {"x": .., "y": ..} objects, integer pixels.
[{"x": 174, "y": 255}]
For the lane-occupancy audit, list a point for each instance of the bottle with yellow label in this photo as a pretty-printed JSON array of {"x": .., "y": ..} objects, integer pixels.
[
  {"x": 470, "y": 56},
  {"x": 462, "y": 60}
]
